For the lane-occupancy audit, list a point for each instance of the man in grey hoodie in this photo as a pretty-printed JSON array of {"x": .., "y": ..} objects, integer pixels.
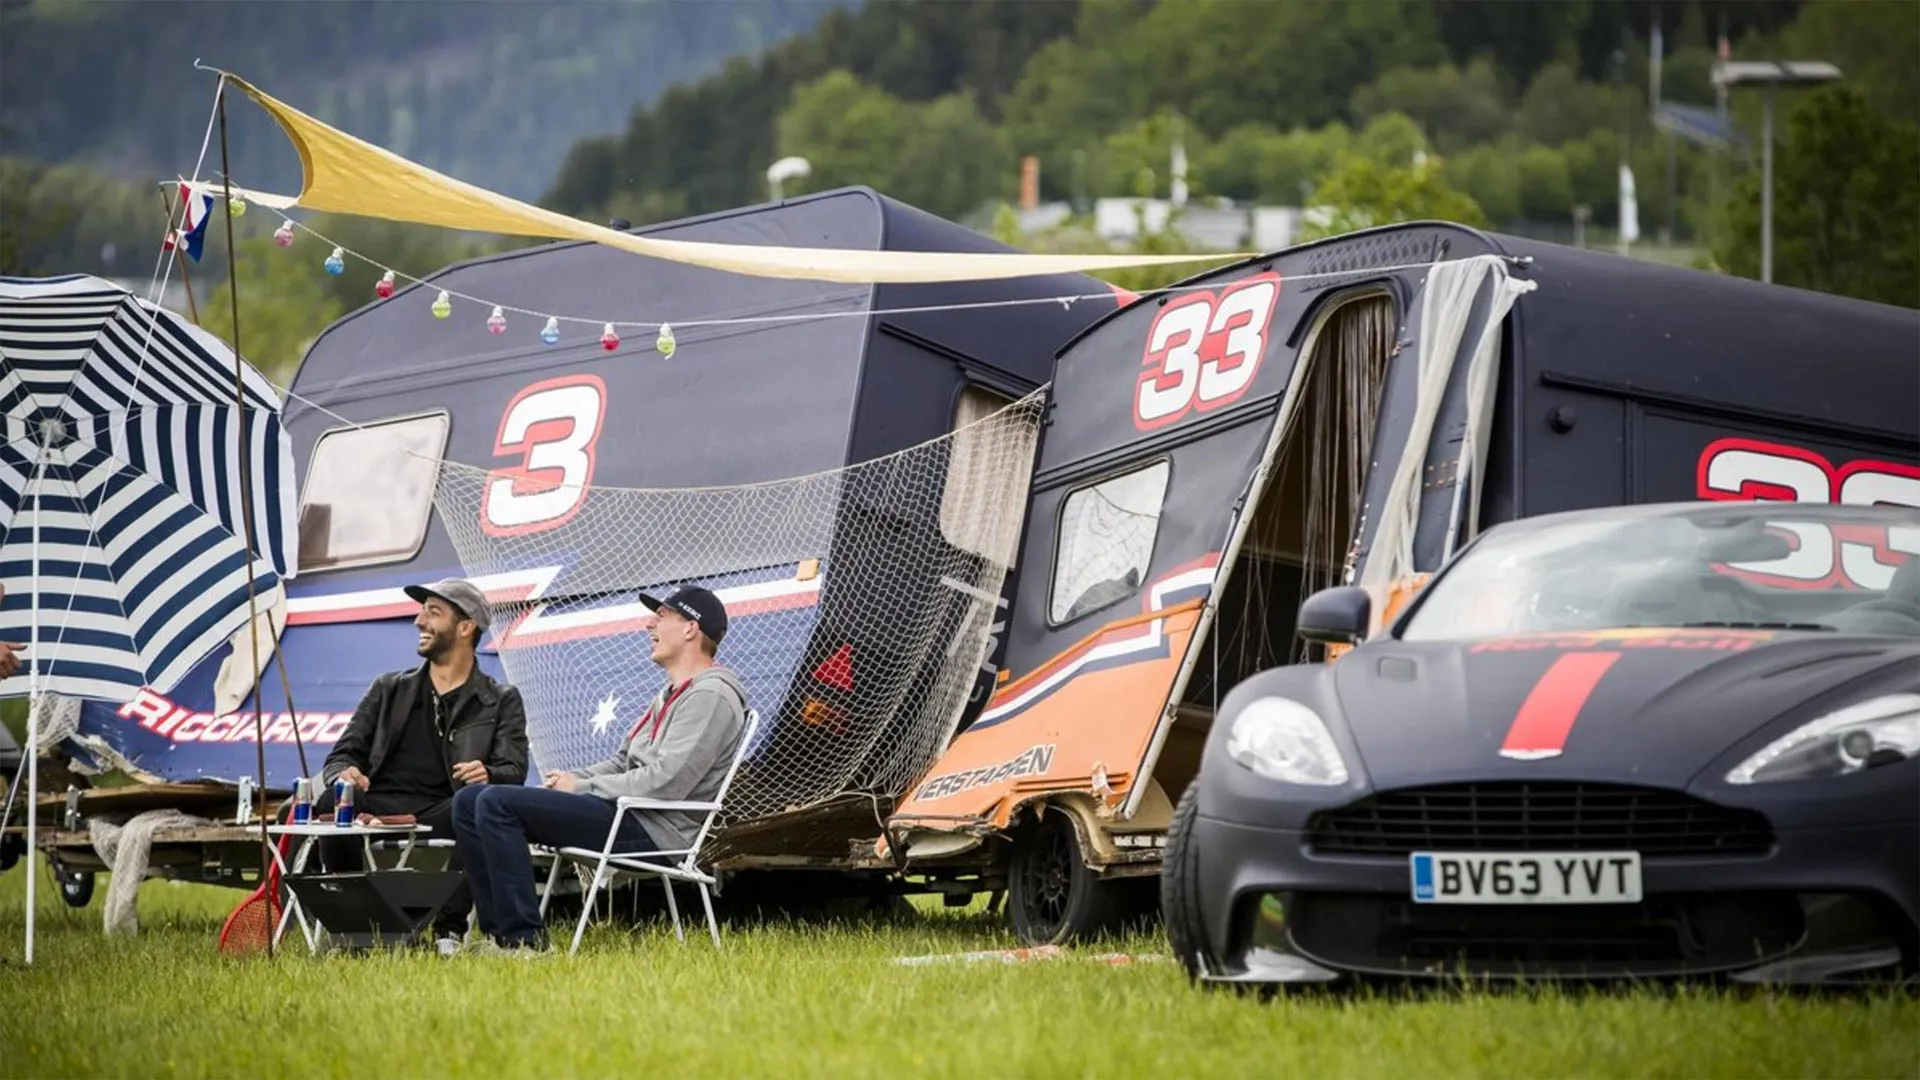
[{"x": 679, "y": 750}]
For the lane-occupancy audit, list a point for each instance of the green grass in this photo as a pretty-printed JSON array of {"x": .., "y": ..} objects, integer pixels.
[{"x": 792, "y": 1001}]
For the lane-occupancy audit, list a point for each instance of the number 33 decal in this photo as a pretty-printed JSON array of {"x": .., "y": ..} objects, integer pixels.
[
  {"x": 1822, "y": 557},
  {"x": 1203, "y": 351},
  {"x": 551, "y": 427}
]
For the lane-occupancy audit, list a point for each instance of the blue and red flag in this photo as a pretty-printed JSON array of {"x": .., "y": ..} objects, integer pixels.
[{"x": 199, "y": 212}]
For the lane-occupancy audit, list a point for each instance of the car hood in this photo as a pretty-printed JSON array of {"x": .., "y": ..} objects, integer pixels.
[{"x": 1638, "y": 706}]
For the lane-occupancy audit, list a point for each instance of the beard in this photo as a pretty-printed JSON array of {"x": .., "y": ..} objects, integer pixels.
[{"x": 438, "y": 645}]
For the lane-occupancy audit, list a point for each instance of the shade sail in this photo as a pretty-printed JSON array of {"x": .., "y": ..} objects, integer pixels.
[{"x": 346, "y": 175}]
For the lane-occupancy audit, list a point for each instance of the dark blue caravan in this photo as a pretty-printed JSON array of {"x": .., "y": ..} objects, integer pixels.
[{"x": 389, "y": 388}]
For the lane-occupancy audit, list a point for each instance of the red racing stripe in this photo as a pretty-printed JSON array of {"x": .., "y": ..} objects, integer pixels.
[{"x": 1540, "y": 727}]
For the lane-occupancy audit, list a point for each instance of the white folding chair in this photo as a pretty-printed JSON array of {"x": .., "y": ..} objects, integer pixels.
[{"x": 680, "y": 864}]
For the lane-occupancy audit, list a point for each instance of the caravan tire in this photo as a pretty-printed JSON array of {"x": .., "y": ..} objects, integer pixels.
[
  {"x": 76, "y": 887},
  {"x": 1180, "y": 888},
  {"x": 1052, "y": 894}
]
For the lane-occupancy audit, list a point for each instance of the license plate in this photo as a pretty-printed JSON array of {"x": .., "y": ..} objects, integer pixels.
[{"x": 1534, "y": 877}]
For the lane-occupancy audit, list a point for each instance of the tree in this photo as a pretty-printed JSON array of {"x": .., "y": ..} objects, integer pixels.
[
  {"x": 1846, "y": 203},
  {"x": 1454, "y": 107},
  {"x": 1362, "y": 193},
  {"x": 284, "y": 304}
]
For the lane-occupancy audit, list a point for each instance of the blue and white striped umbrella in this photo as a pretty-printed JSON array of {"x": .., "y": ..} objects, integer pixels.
[{"x": 121, "y": 463}]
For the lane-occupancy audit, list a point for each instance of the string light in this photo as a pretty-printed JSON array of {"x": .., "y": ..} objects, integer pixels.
[
  {"x": 665, "y": 343},
  {"x": 236, "y": 207}
]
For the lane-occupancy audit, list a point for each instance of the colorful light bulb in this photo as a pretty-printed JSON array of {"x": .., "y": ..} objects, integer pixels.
[
  {"x": 237, "y": 207},
  {"x": 665, "y": 342},
  {"x": 284, "y": 234},
  {"x": 497, "y": 322},
  {"x": 337, "y": 263},
  {"x": 442, "y": 307},
  {"x": 550, "y": 333},
  {"x": 608, "y": 339},
  {"x": 384, "y": 288}
]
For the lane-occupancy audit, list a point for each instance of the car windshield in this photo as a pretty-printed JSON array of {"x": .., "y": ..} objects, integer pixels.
[{"x": 1809, "y": 566}]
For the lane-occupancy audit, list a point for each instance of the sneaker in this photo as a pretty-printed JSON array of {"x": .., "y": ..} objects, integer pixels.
[{"x": 449, "y": 945}]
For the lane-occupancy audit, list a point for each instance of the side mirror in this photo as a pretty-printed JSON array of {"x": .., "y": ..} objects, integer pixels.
[{"x": 1339, "y": 615}]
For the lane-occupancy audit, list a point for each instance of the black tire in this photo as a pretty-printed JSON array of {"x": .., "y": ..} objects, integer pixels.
[
  {"x": 1180, "y": 889},
  {"x": 1052, "y": 895},
  {"x": 13, "y": 848},
  {"x": 76, "y": 887}
]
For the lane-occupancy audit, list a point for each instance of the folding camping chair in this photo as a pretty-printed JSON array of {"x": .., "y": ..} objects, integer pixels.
[{"x": 680, "y": 864}]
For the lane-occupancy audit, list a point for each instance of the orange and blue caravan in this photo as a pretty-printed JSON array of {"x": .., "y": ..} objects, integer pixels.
[{"x": 1350, "y": 412}]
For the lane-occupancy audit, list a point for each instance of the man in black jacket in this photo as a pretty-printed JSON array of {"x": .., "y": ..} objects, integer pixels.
[{"x": 421, "y": 735}]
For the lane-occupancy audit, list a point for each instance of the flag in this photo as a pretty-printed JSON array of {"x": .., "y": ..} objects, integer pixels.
[
  {"x": 1629, "y": 208},
  {"x": 199, "y": 212}
]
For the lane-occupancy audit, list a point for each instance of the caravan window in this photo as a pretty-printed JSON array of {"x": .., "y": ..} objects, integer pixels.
[
  {"x": 370, "y": 491},
  {"x": 973, "y": 514},
  {"x": 1106, "y": 541}
]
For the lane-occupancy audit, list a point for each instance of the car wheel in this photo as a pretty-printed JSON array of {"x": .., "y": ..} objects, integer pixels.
[
  {"x": 1180, "y": 888},
  {"x": 1052, "y": 894},
  {"x": 76, "y": 888}
]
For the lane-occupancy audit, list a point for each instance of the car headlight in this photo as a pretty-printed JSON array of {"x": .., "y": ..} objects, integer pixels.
[
  {"x": 1879, "y": 731},
  {"x": 1285, "y": 740}
]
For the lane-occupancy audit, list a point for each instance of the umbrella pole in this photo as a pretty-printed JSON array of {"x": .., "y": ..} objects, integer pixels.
[
  {"x": 246, "y": 500},
  {"x": 33, "y": 696}
]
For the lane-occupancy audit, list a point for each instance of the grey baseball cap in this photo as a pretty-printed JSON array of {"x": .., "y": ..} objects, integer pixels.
[{"x": 461, "y": 593}]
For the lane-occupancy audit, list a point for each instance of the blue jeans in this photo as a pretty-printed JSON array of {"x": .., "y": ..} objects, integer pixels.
[{"x": 494, "y": 825}]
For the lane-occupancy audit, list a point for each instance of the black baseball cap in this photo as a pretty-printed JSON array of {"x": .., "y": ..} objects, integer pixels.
[{"x": 696, "y": 603}]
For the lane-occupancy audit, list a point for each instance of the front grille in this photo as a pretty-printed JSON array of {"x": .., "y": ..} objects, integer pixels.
[
  {"x": 1671, "y": 934},
  {"x": 1538, "y": 816}
]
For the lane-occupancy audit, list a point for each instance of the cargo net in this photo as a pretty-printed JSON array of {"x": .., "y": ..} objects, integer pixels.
[{"x": 861, "y": 602}]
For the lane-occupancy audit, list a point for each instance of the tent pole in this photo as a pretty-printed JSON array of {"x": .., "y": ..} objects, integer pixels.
[{"x": 244, "y": 438}]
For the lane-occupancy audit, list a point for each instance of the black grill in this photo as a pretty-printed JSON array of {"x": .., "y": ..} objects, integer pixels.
[
  {"x": 1538, "y": 816},
  {"x": 1672, "y": 934}
]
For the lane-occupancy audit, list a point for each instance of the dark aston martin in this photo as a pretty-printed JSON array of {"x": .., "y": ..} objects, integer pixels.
[{"x": 1664, "y": 741}]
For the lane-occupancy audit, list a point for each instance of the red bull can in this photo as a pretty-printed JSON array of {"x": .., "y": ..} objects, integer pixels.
[
  {"x": 343, "y": 803},
  {"x": 302, "y": 801}
]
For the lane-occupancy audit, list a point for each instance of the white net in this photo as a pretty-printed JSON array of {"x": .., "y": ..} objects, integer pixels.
[{"x": 860, "y": 604}]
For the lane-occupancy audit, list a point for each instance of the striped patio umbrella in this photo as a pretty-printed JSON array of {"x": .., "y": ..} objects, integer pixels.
[
  {"x": 121, "y": 466},
  {"x": 123, "y": 512}
]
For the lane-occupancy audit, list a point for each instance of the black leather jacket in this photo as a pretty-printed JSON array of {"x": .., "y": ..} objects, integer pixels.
[{"x": 489, "y": 725}]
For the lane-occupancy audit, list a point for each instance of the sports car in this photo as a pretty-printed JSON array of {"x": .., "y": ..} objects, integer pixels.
[{"x": 1650, "y": 742}]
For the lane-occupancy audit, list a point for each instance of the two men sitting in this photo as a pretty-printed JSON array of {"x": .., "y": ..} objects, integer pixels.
[{"x": 448, "y": 745}]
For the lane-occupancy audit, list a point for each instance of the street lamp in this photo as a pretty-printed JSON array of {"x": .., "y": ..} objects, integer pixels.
[
  {"x": 787, "y": 168},
  {"x": 1770, "y": 73}
]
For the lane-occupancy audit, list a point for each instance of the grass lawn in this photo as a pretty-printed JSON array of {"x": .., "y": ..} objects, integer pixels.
[{"x": 819, "y": 1001}]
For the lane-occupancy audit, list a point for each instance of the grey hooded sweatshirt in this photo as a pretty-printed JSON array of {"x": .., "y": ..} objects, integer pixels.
[{"x": 686, "y": 761}]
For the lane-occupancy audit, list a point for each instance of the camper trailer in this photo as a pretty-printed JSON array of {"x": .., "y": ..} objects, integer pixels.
[
  {"x": 1352, "y": 411},
  {"x": 569, "y": 478}
]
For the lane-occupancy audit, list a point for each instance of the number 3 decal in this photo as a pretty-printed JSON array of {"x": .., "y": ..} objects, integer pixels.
[
  {"x": 551, "y": 427},
  {"x": 1203, "y": 351},
  {"x": 1741, "y": 469}
]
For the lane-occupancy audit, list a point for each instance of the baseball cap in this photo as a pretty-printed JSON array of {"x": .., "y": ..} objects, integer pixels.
[
  {"x": 461, "y": 593},
  {"x": 696, "y": 603}
]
